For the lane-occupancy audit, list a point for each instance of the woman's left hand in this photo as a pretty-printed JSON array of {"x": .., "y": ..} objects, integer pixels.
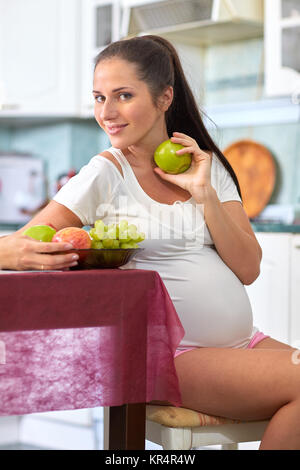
[{"x": 198, "y": 176}]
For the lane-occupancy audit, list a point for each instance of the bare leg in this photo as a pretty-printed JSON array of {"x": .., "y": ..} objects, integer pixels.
[
  {"x": 271, "y": 343},
  {"x": 289, "y": 413},
  {"x": 249, "y": 384}
]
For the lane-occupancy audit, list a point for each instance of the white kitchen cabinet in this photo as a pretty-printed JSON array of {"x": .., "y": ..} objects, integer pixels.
[
  {"x": 100, "y": 22},
  {"x": 282, "y": 58},
  {"x": 295, "y": 293},
  {"x": 270, "y": 293},
  {"x": 39, "y": 60},
  {"x": 194, "y": 22}
]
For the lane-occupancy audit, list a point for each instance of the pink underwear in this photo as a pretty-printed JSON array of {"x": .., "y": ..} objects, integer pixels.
[{"x": 259, "y": 336}]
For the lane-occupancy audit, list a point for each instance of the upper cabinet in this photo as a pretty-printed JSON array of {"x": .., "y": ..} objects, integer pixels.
[
  {"x": 48, "y": 48},
  {"x": 39, "y": 61},
  {"x": 194, "y": 22},
  {"x": 282, "y": 38},
  {"x": 47, "y": 53},
  {"x": 100, "y": 22}
]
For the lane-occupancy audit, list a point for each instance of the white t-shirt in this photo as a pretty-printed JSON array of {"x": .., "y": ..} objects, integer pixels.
[{"x": 210, "y": 300}]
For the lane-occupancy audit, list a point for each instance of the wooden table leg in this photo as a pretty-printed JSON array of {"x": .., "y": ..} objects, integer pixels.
[{"x": 126, "y": 425}]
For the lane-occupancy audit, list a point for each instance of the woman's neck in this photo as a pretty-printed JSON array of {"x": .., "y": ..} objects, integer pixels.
[{"x": 142, "y": 153}]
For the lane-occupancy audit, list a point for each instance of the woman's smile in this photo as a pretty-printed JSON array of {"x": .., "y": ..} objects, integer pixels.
[{"x": 115, "y": 128}]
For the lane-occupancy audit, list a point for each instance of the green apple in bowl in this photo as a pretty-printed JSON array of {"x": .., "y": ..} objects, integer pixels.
[
  {"x": 166, "y": 158},
  {"x": 42, "y": 233}
]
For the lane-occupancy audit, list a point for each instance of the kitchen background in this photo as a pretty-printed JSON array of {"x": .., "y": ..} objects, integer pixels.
[{"x": 242, "y": 60}]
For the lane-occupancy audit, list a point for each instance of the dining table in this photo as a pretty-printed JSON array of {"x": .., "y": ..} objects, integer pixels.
[{"x": 88, "y": 338}]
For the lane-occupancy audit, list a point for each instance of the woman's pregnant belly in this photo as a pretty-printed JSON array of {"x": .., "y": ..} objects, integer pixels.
[{"x": 211, "y": 302}]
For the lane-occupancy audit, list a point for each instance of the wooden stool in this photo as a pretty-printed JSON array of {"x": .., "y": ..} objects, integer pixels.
[{"x": 176, "y": 428}]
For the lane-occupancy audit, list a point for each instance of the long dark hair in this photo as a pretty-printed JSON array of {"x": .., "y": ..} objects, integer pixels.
[{"x": 159, "y": 66}]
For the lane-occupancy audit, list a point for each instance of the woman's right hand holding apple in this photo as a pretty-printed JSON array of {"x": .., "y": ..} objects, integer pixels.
[{"x": 20, "y": 253}]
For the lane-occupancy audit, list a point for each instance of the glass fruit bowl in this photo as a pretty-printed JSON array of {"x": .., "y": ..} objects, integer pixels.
[{"x": 95, "y": 258}]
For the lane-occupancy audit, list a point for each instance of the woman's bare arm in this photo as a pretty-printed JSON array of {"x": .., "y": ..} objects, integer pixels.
[
  {"x": 232, "y": 235},
  {"x": 19, "y": 252},
  {"x": 56, "y": 214}
]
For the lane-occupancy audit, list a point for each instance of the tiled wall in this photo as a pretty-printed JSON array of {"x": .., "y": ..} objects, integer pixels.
[
  {"x": 61, "y": 145},
  {"x": 234, "y": 72},
  {"x": 283, "y": 141}
]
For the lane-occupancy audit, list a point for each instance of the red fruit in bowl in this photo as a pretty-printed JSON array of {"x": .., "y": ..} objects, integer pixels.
[{"x": 76, "y": 236}]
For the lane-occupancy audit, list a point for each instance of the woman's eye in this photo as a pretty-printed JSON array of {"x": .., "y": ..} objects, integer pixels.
[
  {"x": 99, "y": 99},
  {"x": 125, "y": 96}
]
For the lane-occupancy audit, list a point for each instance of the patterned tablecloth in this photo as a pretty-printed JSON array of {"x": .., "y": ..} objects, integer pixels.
[{"x": 81, "y": 339}]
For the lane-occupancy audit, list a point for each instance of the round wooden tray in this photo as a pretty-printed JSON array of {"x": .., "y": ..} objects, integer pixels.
[{"x": 256, "y": 171}]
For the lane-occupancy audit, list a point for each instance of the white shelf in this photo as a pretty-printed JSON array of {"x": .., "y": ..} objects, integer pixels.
[
  {"x": 211, "y": 32},
  {"x": 254, "y": 113}
]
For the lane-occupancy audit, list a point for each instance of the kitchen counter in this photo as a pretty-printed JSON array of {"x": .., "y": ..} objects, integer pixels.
[
  {"x": 257, "y": 227},
  {"x": 270, "y": 227}
]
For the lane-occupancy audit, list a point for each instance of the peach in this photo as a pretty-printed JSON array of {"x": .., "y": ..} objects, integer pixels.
[{"x": 76, "y": 236}]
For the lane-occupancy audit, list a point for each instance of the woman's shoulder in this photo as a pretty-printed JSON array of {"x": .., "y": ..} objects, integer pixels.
[
  {"x": 217, "y": 165},
  {"x": 107, "y": 155},
  {"x": 218, "y": 168}
]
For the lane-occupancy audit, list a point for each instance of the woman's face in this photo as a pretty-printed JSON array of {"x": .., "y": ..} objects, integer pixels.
[{"x": 124, "y": 107}]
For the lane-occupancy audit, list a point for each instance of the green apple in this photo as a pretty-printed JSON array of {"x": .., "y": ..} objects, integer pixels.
[
  {"x": 166, "y": 158},
  {"x": 43, "y": 233}
]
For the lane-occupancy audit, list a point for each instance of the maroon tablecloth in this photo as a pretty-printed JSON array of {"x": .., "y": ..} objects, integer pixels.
[{"x": 80, "y": 339}]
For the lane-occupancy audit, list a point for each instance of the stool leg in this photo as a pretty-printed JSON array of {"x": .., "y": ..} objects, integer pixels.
[{"x": 176, "y": 438}]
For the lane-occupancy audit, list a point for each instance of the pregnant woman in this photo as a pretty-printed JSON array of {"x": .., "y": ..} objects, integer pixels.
[{"x": 198, "y": 236}]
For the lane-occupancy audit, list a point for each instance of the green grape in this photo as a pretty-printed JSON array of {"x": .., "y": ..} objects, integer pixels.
[
  {"x": 99, "y": 229},
  {"x": 124, "y": 237},
  {"x": 93, "y": 234},
  {"x": 141, "y": 237},
  {"x": 129, "y": 245},
  {"x": 97, "y": 244},
  {"x": 107, "y": 243},
  {"x": 123, "y": 225},
  {"x": 132, "y": 232},
  {"x": 116, "y": 244},
  {"x": 112, "y": 232},
  {"x": 113, "y": 236}
]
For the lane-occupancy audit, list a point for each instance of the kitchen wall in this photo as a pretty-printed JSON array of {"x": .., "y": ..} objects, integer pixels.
[
  {"x": 61, "y": 145},
  {"x": 234, "y": 73},
  {"x": 283, "y": 140},
  {"x": 222, "y": 79}
]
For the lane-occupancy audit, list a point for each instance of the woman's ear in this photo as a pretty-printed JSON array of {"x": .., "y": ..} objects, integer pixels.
[{"x": 166, "y": 98}]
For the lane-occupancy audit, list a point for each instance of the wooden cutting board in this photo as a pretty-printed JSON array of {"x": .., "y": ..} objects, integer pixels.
[{"x": 256, "y": 171}]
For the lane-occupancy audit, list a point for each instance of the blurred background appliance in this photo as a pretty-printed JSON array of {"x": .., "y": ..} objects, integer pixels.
[{"x": 23, "y": 188}]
